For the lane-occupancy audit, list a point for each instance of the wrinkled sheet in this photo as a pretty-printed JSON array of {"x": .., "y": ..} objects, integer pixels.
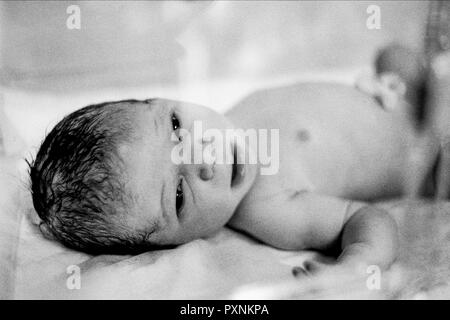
[
  {"x": 226, "y": 266},
  {"x": 207, "y": 268}
]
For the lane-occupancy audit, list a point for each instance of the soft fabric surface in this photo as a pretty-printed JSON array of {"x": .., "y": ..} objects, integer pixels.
[
  {"x": 228, "y": 265},
  {"x": 208, "y": 268}
]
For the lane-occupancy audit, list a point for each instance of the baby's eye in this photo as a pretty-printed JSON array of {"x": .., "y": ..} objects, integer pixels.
[
  {"x": 179, "y": 197},
  {"x": 175, "y": 122}
]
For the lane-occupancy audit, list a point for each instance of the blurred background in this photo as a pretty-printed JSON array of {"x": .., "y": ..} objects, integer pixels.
[
  {"x": 211, "y": 53},
  {"x": 128, "y": 43}
]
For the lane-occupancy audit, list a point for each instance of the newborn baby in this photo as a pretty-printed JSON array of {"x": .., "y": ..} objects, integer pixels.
[{"x": 107, "y": 179}]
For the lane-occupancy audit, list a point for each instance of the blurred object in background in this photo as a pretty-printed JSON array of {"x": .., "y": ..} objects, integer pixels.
[
  {"x": 411, "y": 68},
  {"x": 438, "y": 53},
  {"x": 436, "y": 102},
  {"x": 437, "y": 38},
  {"x": 441, "y": 104},
  {"x": 426, "y": 74},
  {"x": 130, "y": 43}
]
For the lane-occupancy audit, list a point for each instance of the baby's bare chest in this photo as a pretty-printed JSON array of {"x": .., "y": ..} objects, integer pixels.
[{"x": 337, "y": 143}]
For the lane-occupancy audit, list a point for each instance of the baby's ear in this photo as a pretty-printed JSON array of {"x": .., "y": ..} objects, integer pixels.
[{"x": 45, "y": 230}]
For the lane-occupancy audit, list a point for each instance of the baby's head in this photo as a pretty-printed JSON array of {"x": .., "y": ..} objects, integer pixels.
[{"x": 105, "y": 181}]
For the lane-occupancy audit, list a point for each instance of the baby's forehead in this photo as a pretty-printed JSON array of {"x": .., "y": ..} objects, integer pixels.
[
  {"x": 144, "y": 188},
  {"x": 145, "y": 163},
  {"x": 146, "y": 113}
]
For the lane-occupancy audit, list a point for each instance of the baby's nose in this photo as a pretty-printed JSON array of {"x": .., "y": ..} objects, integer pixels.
[{"x": 206, "y": 172}]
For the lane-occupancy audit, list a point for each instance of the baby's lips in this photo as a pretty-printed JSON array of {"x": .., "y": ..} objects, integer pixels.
[{"x": 209, "y": 157}]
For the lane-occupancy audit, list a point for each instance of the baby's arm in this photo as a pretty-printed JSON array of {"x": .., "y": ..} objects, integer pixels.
[
  {"x": 366, "y": 235},
  {"x": 369, "y": 237}
]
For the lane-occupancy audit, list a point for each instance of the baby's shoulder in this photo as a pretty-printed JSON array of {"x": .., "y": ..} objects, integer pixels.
[
  {"x": 290, "y": 104},
  {"x": 274, "y": 219},
  {"x": 266, "y": 201}
]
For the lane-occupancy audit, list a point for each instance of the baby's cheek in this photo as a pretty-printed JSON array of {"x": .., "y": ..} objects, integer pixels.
[
  {"x": 213, "y": 219},
  {"x": 226, "y": 211}
]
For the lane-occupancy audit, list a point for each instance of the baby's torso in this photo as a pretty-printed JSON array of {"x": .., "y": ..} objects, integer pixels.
[{"x": 333, "y": 140}]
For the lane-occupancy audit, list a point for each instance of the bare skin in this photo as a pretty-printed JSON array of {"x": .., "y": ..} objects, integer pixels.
[
  {"x": 330, "y": 162},
  {"x": 338, "y": 148}
]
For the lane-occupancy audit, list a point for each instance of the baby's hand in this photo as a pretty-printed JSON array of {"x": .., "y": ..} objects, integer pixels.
[
  {"x": 314, "y": 266},
  {"x": 330, "y": 267}
]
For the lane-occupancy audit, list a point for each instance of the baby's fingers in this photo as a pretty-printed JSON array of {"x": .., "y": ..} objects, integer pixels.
[
  {"x": 314, "y": 266},
  {"x": 299, "y": 272},
  {"x": 309, "y": 268}
]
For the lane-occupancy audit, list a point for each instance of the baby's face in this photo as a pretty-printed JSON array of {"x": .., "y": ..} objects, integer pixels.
[{"x": 184, "y": 201}]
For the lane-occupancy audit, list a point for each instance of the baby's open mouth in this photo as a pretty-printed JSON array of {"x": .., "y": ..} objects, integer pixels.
[
  {"x": 234, "y": 169},
  {"x": 237, "y": 171}
]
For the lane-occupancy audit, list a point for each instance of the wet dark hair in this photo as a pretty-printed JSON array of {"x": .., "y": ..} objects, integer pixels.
[{"x": 77, "y": 180}]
